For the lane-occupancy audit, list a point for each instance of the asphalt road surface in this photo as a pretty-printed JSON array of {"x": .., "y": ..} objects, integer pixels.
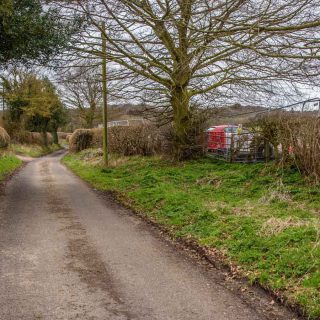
[{"x": 68, "y": 253}]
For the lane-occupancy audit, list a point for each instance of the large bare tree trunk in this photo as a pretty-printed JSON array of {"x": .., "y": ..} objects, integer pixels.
[{"x": 180, "y": 101}]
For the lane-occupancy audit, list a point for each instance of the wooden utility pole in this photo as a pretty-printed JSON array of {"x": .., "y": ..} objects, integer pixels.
[
  {"x": 104, "y": 95},
  {"x": 3, "y": 102}
]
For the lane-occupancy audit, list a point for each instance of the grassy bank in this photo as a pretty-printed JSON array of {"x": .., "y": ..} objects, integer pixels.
[
  {"x": 34, "y": 151},
  {"x": 263, "y": 220},
  {"x": 8, "y": 163}
]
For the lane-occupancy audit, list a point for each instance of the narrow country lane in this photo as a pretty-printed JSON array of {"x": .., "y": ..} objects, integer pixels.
[{"x": 67, "y": 253}]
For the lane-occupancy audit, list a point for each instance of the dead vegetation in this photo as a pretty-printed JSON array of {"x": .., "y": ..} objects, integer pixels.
[
  {"x": 295, "y": 138},
  {"x": 68, "y": 137},
  {"x": 303, "y": 138},
  {"x": 136, "y": 140},
  {"x": 274, "y": 226},
  {"x": 27, "y": 137},
  {"x": 4, "y": 138},
  {"x": 127, "y": 141},
  {"x": 63, "y": 135},
  {"x": 80, "y": 140}
]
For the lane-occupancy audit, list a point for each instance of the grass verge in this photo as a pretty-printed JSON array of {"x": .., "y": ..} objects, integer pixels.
[
  {"x": 34, "y": 151},
  {"x": 8, "y": 164},
  {"x": 264, "y": 221}
]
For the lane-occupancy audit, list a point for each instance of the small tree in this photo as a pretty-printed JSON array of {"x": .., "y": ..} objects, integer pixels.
[
  {"x": 83, "y": 93},
  {"x": 44, "y": 110},
  {"x": 33, "y": 104}
]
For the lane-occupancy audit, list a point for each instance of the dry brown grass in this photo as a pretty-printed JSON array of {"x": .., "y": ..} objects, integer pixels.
[
  {"x": 95, "y": 157},
  {"x": 275, "y": 226},
  {"x": 276, "y": 195},
  {"x": 213, "y": 181},
  {"x": 4, "y": 138}
]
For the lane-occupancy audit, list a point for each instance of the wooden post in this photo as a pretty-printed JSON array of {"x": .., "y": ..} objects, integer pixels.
[
  {"x": 104, "y": 95},
  {"x": 3, "y": 101}
]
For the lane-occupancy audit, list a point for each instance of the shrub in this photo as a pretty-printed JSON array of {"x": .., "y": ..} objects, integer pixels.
[
  {"x": 295, "y": 138},
  {"x": 27, "y": 137},
  {"x": 4, "y": 138},
  {"x": 97, "y": 138},
  {"x": 127, "y": 141},
  {"x": 268, "y": 132},
  {"x": 81, "y": 139},
  {"x": 302, "y": 135},
  {"x": 21, "y": 136},
  {"x": 135, "y": 140},
  {"x": 63, "y": 135},
  {"x": 68, "y": 137}
]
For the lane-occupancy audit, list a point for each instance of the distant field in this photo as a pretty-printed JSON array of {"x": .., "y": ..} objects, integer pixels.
[
  {"x": 8, "y": 163},
  {"x": 264, "y": 220}
]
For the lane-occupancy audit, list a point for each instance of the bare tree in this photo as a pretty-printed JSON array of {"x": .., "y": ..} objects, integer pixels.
[
  {"x": 83, "y": 92},
  {"x": 183, "y": 52}
]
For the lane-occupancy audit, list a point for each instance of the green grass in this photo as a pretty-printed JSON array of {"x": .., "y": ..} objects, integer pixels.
[
  {"x": 264, "y": 220},
  {"x": 33, "y": 151},
  {"x": 8, "y": 163}
]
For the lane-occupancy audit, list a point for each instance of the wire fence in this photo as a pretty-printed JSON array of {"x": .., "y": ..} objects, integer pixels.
[{"x": 233, "y": 145}]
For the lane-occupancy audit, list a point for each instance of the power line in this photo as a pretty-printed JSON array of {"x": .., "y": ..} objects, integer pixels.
[{"x": 273, "y": 109}]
